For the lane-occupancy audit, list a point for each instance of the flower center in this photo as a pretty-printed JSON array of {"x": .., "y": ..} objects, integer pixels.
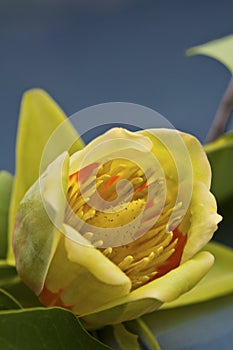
[{"x": 155, "y": 247}]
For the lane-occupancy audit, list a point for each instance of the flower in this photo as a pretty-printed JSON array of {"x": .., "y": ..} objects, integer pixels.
[{"x": 111, "y": 232}]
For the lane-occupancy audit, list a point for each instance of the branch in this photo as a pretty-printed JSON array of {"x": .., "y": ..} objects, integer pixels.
[{"x": 222, "y": 115}]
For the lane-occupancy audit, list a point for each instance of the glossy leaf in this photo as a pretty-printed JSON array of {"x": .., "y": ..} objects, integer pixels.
[
  {"x": 44, "y": 329},
  {"x": 6, "y": 181},
  {"x": 39, "y": 117},
  {"x": 224, "y": 233},
  {"x": 125, "y": 339},
  {"x": 22, "y": 293},
  {"x": 220, "y": 154},
  {"x": 221, "y": 50},
  {"x": 7, "y": 302},
  {"x": 218, "y": 281},
  {"x": 11, "y": 283},
  {"x": 8, "y": 274}
]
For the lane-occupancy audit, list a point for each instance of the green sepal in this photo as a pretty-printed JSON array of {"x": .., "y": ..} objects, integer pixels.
[
  {"x": 125, "y": 339},
  {"x": 36, "y": 237},
  {"x": 40, "y": 116}
]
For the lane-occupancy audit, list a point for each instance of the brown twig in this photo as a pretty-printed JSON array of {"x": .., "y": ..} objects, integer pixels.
[{"x": 222, "y": 115}]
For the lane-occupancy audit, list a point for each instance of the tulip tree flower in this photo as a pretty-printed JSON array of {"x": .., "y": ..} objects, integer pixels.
[{"x": 115, "y": 230}]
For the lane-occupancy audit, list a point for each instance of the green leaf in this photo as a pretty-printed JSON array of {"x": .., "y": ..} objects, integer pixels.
[
  {"x": 23, "y": 294},
  {"x": 220, "y": 155},
  {"x": 221, "y": 50},
  {"x": 218, "y": 281},
  {"x": 44, "y": 329},
  {"x": 7, "y": 302},
  {"x": 125, "y": 339},
  {"x": 10, "y": 281},
  {"x": 6, "y": 181},
  {"x": 8, "y": 274},
  {"x": 40, "y": 116},
  {"x": 224, "y": 233}
]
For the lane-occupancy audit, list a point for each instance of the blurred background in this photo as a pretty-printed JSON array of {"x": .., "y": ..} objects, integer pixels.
[{"x": 85, "y": 52}]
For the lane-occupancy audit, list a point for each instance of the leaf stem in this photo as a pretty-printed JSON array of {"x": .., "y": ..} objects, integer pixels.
[
  {"x": 148, "y": 334},
  {"x": 222, "y": 115}
]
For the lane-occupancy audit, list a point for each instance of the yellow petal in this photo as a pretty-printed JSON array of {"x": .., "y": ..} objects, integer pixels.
[
  {"x": 203, "y": 220},
  {"x": 200, "y": 164},
  {"x": 175, "y": 149},
  {"x": 110, "y": 144},
  {"x": 151, "y": 296},
  {"x": 81, "y": 278},
  {"x": 217, "y": 282}
]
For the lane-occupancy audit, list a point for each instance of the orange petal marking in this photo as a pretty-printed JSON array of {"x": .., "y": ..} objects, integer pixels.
[
  {"x": 175, "y": 258},
  {"x": 49, "y": 298},
  {"x": 82, "y": 175},
  {"x": 140, "y": 188},
  {"x": 111, "y": 181}
]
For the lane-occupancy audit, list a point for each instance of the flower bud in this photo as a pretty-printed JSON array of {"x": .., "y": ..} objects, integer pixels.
[{"x": 111, "y": 232}]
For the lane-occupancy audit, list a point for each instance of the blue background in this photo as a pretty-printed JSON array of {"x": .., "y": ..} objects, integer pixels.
[
  {"x": 89, "y": 52},
  {"x": 85, "y": 52}
]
